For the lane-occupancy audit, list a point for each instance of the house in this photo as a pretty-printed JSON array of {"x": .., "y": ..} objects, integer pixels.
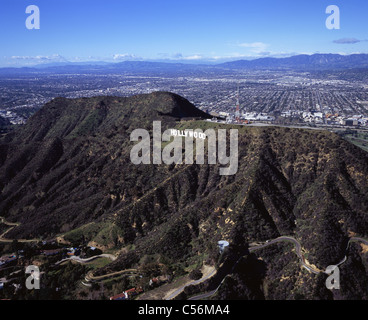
[
  {"x": 153, "y": 281},
  {"x": 133, "y": 292},
  {"x": 73, "y": 252},
  {"x": 51, "y": 252},
  {"x": 126, "y": 295},
  {"x": 7, "y": 259},
  {"x": 121, "y": 296},
  {"x": 349, "y": 122},
  {"x": 222, "y": 244},
  {"x": 158, "y": 280}
]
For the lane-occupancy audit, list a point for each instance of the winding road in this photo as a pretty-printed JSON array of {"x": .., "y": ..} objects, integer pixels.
[
  {"x": 194, "y": 282},
  {"x": 12, "y": 226},
  {"x": 90, "y": 277},
  {"x": 298, "y": 251},
  {"x": 80, "y": 260}
]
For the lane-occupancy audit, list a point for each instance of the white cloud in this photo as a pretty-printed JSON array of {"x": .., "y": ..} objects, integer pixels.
[
  {"x": 255, "y": 47},
  {"x": 180, "y": 56},
  {"x": 193, "y": 57},
  {"x": 125, "y": 57},
  {"x": 347, "y": 41},
  {"x": 40, "y": 59},
  {"x": 29, "y": 61}
]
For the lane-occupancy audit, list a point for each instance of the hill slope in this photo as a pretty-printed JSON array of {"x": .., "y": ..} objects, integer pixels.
[
  {"x": 68, "y": 170},
  {"x": 4, "y": 122}
]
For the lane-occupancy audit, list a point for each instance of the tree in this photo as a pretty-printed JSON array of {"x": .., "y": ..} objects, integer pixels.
[
  {"x": 196, "y": 274},
  {"x": 15, "y": 246},
  {"x": 150, "y": 270}
]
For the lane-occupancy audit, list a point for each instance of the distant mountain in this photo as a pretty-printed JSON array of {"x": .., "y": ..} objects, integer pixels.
[
  {"x": 62, "y": 64},
  {"x": 299, "y": 62},
  {"x": 305, "y": 62},
  {"x": 137, "y": 67}
]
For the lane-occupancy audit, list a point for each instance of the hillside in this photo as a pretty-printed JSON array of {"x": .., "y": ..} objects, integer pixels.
[
  {"x": 4, "y": 122},
  {"x": 68, "y": 171}
]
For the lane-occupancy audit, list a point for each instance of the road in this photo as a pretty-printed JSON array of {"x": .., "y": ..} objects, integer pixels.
[
  {"x": 90, "y": 277},
  {"x": 194, "y": 282},
  {"x": 258, "y": 247},
  {"x": 80, "y": 260},
  {"x": 298, "y": 251},
  {"x": 12, "y": 226}
]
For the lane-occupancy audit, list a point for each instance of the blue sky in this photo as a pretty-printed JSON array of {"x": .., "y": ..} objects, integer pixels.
[{"x": 190, "y": 30}]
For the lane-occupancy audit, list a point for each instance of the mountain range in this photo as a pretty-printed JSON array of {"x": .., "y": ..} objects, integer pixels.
[
  {"x": 67, "y": 173},
  {"x": 298, "y": 62},
  {"x": 304, "y": 62}
]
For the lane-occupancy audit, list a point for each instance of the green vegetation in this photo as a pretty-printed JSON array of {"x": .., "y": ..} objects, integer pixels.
[
  {"x": 105, "y": 234},
  {"x": 358, "y": 139},
  {"x": 68, "y": 172},
  {"x": 98, "y": 263}
]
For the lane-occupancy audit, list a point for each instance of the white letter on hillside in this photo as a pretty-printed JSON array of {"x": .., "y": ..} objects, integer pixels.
[{"x": 175, "y": 146}]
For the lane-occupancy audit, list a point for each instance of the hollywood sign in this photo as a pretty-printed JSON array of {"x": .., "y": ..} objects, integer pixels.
[{"x": 150, "y": 151}]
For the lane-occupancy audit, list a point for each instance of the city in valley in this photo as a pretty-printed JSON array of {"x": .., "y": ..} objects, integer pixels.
[
  {"x": 327, "y": 100},
  {"x": 312, "y": 98}
]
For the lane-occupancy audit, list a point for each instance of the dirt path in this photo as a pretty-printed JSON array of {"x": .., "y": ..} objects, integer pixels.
[
  {"x": 12, "y": 226},
  {"x": 91, "y": 277}
]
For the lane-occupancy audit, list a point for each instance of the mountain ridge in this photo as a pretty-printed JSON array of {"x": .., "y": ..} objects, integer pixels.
[
  {"x": 67, "y": 173},
  {"x": 300, "y": 62},
  {"x": 83, "y": 144},
  {"x": 315, "y": 61}
]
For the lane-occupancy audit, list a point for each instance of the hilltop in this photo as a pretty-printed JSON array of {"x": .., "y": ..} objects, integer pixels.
[{"x": 68, "y": 172}]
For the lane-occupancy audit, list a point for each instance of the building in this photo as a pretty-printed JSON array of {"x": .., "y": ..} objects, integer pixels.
[
  {"x": 7, "y": 259},
  {"x": 349, "y": 122},
  {"x": 51, "y": 252},
  {"x": 158, "y": 281},
  {"x": 222, "y": 245},
  {"x": 121, "y": 296},
  {"x": 73, "y": 252},
  {"x": 128, "y": 294}
]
